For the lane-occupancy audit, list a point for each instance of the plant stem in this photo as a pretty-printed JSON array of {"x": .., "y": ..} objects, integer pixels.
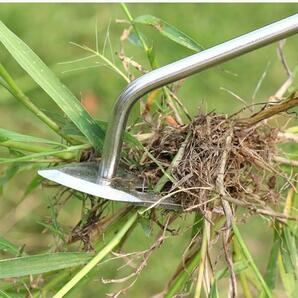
[
  {"x": 203, "y": 253},
  {"x": 35, "y": 148},
  {"x": 111, "y": 230},
  {"x": 289, "y": 201},
  {"x": 190, "y": 265},
  {"x": 242, "y": 276},
  {"x": 51, "y": 284},
  {"x": 288, "y": 280},
  {"x": 20, "y": 96},
  {"x": 106, "y": 250},
  {"x": 152, "y": 61},
  {"x": 130, "y": 18},
  {"x": 66, "y": 153},
  {"x": 184, "y": 275},
  {"x": 165, "y": 178},
  {"x": 250, "y": 260},
  {"x": 105, "y": 59}
]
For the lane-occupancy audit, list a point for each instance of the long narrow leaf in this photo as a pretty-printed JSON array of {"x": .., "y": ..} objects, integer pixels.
[
  {"x": 169, "y": 31},
  {"x": 34, "y": 183},
  {"x": 50, "y": 83},
  {"x": 64, "y": 154},
  {"x": 289, "y": 251},
  {"x": 9, "y": 173},
  {"x": 251, "y": 262},
  {"x": 38, "y": 264},
  {"x": 8, "y": 135},
  {"x": 289, "y": 282},
  {"x": 271, "y": 273},
  {"x": 5, "y": 295},
  {"x": 214, "y": 290},
  {"x": 7, "y": 246}
]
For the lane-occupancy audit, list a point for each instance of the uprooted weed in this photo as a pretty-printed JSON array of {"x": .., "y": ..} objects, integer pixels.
[{"x": 243, "y": 172}]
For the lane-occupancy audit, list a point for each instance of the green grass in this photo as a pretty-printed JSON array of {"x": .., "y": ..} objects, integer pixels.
[{"x": 48, "y": 30}]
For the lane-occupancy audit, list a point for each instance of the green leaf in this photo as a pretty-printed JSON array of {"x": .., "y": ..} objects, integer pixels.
[
  {"x": 214, "y": 290},
  {"x": 68, "y": 153},
  {"x": 152, "y": 57},
  {"x": 8, "y": 135},
  {"x": 134, "y": 39},
  {"x": 37, "y": 264},
  {"x": 5, "y": 295},
  {"x": 271, "y": 273},
  {"x": 7, "y": 246},
  {"x": 35, "y": 182},
  {"x": 169, "y": 31},
  {"x": 197, "y": 225},
  {"x": 5, "y": 85},
  {"x": 51, "y": 84},
  {"x": 289, "y": 282},
  {"x": 246, "y": 253},
  {"x": 146, "y": 225},
  {"x": 70, "y": 129},
  {"x": 238, "y": 267},
  {"x": 10, "y": 172},
  {"x": 289, "y": 252},
  {"x": 293, "y": 129}
]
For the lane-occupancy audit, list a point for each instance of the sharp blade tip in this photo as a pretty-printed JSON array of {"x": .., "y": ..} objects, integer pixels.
[{"x": 48, "y": 174}]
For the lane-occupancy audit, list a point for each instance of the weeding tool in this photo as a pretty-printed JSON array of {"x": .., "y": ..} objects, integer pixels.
[{"x": 99, "y": 179}]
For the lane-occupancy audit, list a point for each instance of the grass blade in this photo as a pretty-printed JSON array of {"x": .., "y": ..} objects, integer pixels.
[
  {"x": 101, "y": 254},
  {"x": 288, "y": 280},
  {"x": 288, "y": 251},
  {"x": 34, "y": 183},
  {"x": 251, "y": 262},
  {"x": 7, "y": 246},
  {"x": 9, "y": 173},
  {"x": 5, "y": 295},
  {"x": 271, "y": 273},
  {"x": 65, "y": 154},
  {"x": 8, "y": 135},
  {"x": 50, "y": 83},
  {"x": 37, "y": 264},
  {"x": 169, "y": 31},
  {"x": 214, "y": 290}
]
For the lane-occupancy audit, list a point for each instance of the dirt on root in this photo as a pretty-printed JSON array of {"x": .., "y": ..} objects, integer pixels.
[{"x": 216, "y": 156}]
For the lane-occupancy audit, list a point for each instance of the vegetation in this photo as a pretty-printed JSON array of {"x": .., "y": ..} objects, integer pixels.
[{"x": 82, "y": 244}]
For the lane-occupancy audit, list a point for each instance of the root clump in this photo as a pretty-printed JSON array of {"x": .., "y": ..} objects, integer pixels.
[{"x": 249, "y": 170}]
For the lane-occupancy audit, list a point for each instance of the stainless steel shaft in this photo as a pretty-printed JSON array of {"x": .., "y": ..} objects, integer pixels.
[{"x": 176, "y": 71}]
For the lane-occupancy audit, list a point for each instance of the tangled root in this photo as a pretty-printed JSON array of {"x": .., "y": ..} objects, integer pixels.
[{"x": 208, "y": 168}]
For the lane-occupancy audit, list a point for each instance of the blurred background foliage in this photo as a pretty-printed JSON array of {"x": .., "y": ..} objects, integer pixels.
[{"x": 49, "y": 28}]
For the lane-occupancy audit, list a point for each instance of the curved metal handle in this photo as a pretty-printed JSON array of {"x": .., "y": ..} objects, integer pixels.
[{"x": 176, "y": 71}]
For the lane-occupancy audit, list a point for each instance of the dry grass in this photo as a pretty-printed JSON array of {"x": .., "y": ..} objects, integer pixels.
[{"x": 221, "y": 157}]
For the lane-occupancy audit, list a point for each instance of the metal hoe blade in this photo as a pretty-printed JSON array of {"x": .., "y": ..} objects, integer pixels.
[
  {"x": 101, "y": 180},
  {"x": 83, "y": 177}
]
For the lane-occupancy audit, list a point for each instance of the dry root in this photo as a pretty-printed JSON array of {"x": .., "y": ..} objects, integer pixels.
[{"x": 245, "y": 172}]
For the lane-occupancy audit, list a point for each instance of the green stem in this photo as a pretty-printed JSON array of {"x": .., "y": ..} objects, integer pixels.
[
  {"x": 152, "y": 61},
  {"x": 203, "y": 253},
  {"x": 35, "y": 148},
  {"x": 191, "y": 264},
  {"x": 105, "y": 251},
  {"x": 242, "y": 276},
  {"x": 165, "y": 178},
  {"x": 105, "y": 59},
  {"x": 289, "y": 280},
  {"x": 66, "y": 153},
  {"x": 109, "y": 232},
  {"x": 20, "y": 96},
  {"x": 183, "y": 276},
  {"x": 250, "y": 260},
  {"x": 130, "y": 18},
  {"x": 59, "y": 278}
]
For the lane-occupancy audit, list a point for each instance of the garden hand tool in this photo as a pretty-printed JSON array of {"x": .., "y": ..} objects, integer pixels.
[{"x": 99, "y": 180}]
